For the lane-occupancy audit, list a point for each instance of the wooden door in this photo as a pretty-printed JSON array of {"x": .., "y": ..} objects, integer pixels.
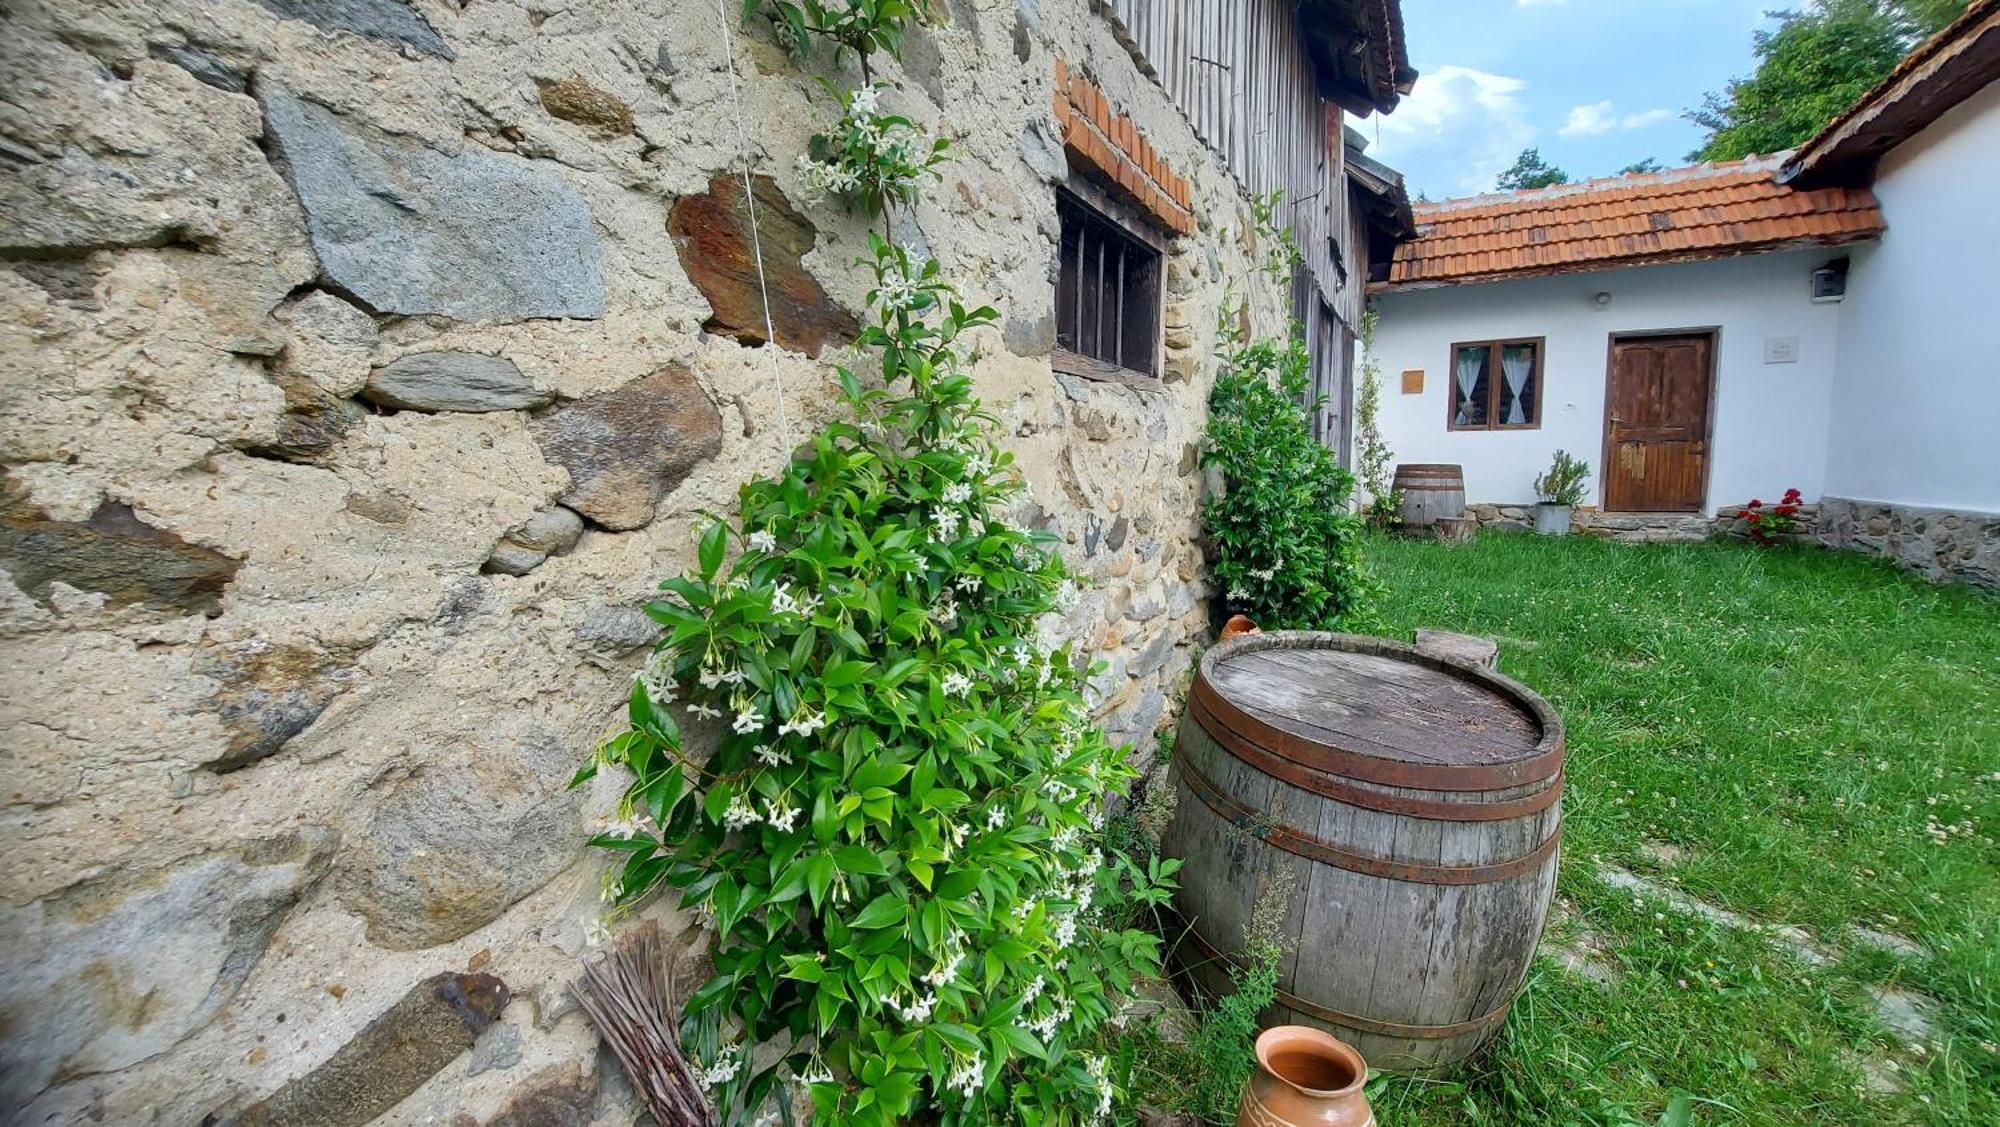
[{"x": 1656, "y": 423}]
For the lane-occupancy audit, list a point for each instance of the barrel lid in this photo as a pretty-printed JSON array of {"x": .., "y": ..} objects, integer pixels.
[{"x": 1380, "y": 710}]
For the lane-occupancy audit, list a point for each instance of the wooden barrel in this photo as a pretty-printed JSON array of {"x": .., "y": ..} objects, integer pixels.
[
  {"x": 1429, "y": 492},
  {"x": 1402, "y": 809}
]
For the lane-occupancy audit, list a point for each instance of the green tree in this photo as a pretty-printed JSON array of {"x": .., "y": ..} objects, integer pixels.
[
  {"x": 1639, "y": 166},
  {"x": 1531, "y": 171},
  {"x": 1816, "y": 63}
]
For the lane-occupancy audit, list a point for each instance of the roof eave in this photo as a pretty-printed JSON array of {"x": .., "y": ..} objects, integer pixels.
[{"x": 1943, "y": 71}]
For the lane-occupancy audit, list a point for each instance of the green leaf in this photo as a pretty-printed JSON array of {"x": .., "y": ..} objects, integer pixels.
[
  {"x": 881, "y": 912},
  {"x": 860, "y": 861},
  {"x": 713, "y": 543}
]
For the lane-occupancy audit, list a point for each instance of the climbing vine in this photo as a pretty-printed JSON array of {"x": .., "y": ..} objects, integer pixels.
[
  {"x": 1372, "y": 455},
  {"x": 897, "y": 835}
]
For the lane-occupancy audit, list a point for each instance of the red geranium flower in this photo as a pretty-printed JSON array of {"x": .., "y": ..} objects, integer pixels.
[
  {"x": 1755, "y": 503},
  {"x": 1791, "y": 496}
]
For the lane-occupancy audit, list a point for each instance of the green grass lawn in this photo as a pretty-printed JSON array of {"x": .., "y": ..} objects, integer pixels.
[{"x": 1817, "y": 739}]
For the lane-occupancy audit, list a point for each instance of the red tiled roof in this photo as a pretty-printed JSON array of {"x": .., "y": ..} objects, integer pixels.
[{"x": 1707, "y": 211}]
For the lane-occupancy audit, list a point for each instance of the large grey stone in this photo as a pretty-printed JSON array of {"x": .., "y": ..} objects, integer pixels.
[
  {"x": 1154, "y": 655},
  {"x": 453, "y": 381},
  {"x": 408, "y": 229},
  {"x": 391, "y": 21},
  {"x": 616, "y": 630},
  {"x": 626, "y": 448},
  {"x": 120, "y": 968},
  {"x": 429, "y": 1027},
  {"x": 456, "y": 843}
]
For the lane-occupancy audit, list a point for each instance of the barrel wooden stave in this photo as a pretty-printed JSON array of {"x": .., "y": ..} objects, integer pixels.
[
  {"x": 1429, "y": 492},
  {"x": 1439, "y": 955}
]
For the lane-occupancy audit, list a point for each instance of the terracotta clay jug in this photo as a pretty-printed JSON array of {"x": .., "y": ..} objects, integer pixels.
[
  {"x": 1305, "y": 1078},
  {"x": 1238, "y": 625}
]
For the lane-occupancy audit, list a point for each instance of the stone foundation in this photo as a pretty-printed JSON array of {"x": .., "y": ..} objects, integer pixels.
[
  {"x": 1634, "y": 528},
  {"x": 1940, "y": 544}
]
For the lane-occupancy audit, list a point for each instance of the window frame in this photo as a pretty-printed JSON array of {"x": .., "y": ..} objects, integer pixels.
[
  {"x": 1493, "y": 382},
  {"x": 1125, "y": 222}
]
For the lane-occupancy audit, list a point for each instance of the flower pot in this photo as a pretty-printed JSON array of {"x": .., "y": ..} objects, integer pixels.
[
  {"x": 1305, "y": 1078},
  {"x": 1238, "y": 624},
  {"x": 1551, "y": 520}
]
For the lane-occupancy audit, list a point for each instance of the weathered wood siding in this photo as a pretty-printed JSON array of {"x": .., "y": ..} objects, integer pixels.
[{"x": 1239, "y": 70}]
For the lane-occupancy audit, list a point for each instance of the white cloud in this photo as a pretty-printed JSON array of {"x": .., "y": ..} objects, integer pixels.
[
  {"x": 1589, "y": 121},
  {"x": 1597, "y": 118},
  {"x": 1536, "y": 3},
  {"x": 1470, "y": 121}
]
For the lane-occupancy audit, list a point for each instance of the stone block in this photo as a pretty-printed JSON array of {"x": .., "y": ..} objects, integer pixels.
[
  {"x": 471, "y": 235},
  {"x": 711, "y": 234},
  {"x": 128, "y": 964},
  {"x": 453, "y": 381},
  {"x": 429, "y": 1027},
  {"x": 626, "y": 449},
  {"x": 389, "y": 21}
]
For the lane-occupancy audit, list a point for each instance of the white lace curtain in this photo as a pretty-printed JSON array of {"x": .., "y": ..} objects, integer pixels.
[
  {"x": 1517, "y": 363},
  {"x": 1471, "y": 362}
]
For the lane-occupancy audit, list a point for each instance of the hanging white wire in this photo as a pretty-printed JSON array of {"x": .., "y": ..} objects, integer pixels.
[{"x": 756, "y": 242}]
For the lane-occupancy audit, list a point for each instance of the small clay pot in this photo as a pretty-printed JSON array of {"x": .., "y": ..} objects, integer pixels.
[
  {"x": 1305, "y": 1077},
  {"x": 1238, "y": 625}
]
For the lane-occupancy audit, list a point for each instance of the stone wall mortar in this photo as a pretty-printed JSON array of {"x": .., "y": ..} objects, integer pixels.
[{"x": 308, "y": 614}]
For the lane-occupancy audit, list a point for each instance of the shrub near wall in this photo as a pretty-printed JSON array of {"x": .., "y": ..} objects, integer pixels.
[{"x": 899, "y": 838}]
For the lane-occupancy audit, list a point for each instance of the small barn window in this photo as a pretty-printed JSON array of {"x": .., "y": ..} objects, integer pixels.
[
  {"x": 1496, "y": 385},
  {"x": 1107, "y": 297}
]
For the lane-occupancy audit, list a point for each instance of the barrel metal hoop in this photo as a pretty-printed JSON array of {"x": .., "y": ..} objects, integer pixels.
[
  {"x": 1369, "y": 768},
  {"x": 1317, "y": 849},
  {"x": 1328, "y": 786},
  {"x": 1365, "y": 1024}
]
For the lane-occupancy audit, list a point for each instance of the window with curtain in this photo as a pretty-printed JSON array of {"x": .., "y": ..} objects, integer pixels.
[{"x": 1496, "y": 385}]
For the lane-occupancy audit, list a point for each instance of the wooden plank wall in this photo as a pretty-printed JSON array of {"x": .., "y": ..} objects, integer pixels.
[{"x": 1238, "y": 70}]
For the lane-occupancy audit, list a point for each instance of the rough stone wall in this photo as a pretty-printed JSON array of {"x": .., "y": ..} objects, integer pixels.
[
  {"x": 1634, "y": 528},
  {"x": 1939, "y": 544},
  {"x": 363, "y": 365}
]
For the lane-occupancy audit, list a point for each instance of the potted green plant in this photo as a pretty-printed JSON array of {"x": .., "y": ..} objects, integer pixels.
[{"x": 1560, "y": 491}]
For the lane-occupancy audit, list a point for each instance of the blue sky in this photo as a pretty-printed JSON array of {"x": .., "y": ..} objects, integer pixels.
[{"x": 1595, "y": 84}]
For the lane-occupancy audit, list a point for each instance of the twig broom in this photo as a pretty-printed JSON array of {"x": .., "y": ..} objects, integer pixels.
[{"x": 629, "y": 995}]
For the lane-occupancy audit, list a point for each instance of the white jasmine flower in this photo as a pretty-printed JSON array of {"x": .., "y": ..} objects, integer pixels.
[
  {"x": 1033, "y": 991},
  {"x": 782, "y": 601},
  {"x": 968, "y": 583},
  {"x": 771, "y": 757},
  {"x": 808, "y": 605},
  {"x": 978, "y": 464},
  {"x": 863, "y": 101},
  {"x": 733, "y": 677},
  {"x": 816, "y": 1072},
  {"x": 957, "y": 493},
  {"x": 805, "y": 723},
  {"x": 710, "y": 678},
  {"x": 956, "y": 684},
  {"x": 728, "y": 1062},
  {"x": 945, "y": 614},
  {"x": 918, "y": 1010},
  {"x": 946, "y": 522},
  {"x": 747, "y": 721},
  {"x": 969, "y": 1078},
  {"x": 595, "y": 934},
  {"x": 762, "y": 541},
  {"x": 781, "y": 817},
  {"x": 657, "y": 678},
  {"x": 996, "y": 817},
  {"x": 704, "y": 711},
  {"x": 739, "y": 813}
]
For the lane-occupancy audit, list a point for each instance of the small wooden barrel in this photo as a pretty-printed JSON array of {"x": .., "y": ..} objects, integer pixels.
[
  {"x": 1430, "y": 492},
  {"x": 1402, "y": 809}
]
